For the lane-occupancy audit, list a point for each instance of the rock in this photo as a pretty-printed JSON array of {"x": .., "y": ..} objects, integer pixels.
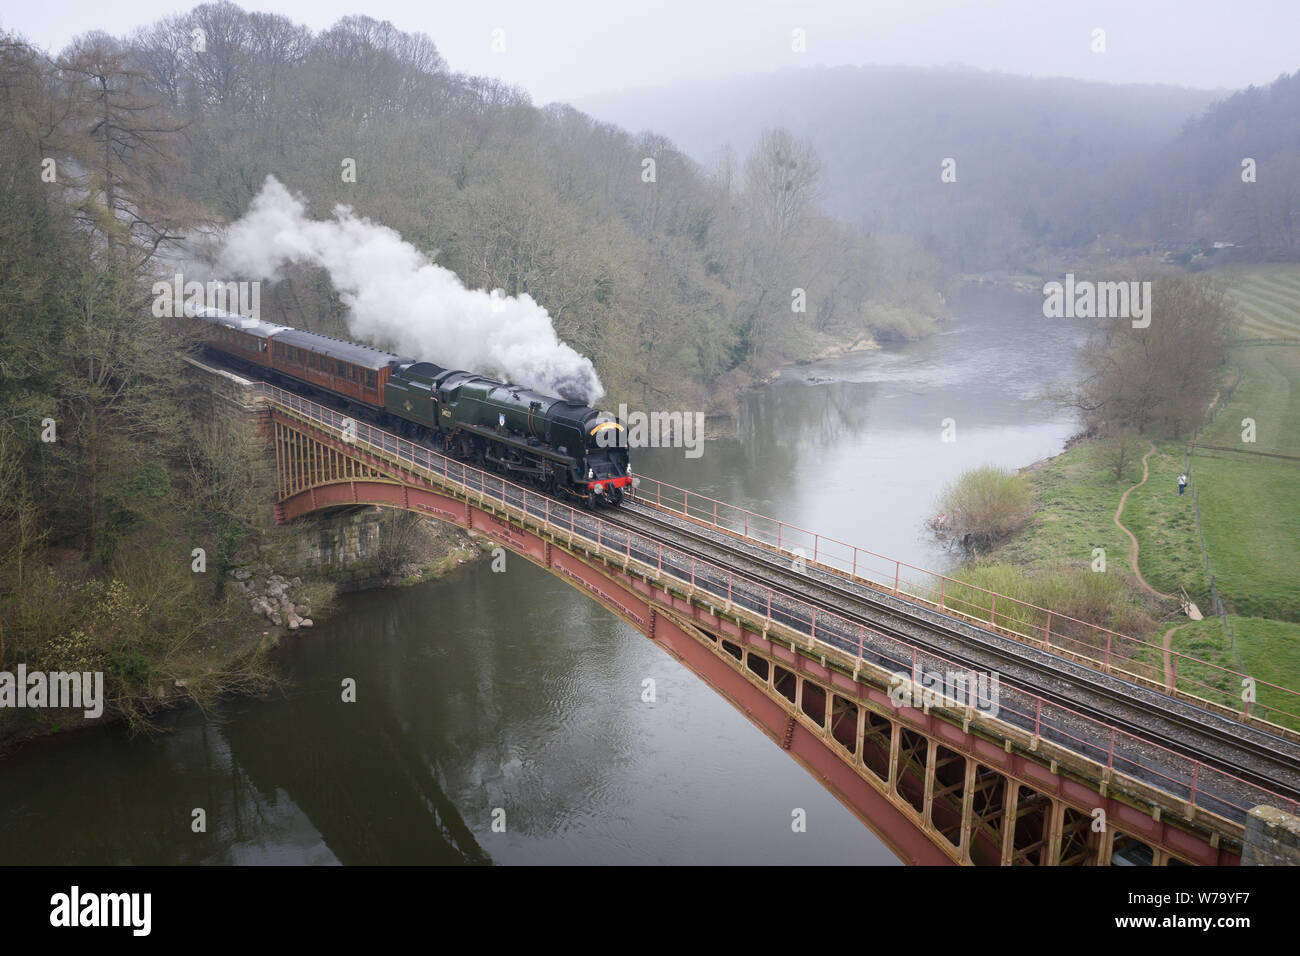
[
  {"x": 305, "y": 622},
  {"x": 275, "y": 618},
  {"x": 294, "y": 621},
  {"x": 296, "y": 582},
  {"x": 301, "y": 610},
  {"x": 241, "y": 575}
]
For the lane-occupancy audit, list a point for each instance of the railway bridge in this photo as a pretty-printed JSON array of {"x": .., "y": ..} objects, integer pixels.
[{"x": 960, "y": 726}]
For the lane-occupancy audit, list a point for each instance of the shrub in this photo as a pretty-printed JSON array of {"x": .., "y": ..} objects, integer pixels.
[{"x": 982, "y": 507}]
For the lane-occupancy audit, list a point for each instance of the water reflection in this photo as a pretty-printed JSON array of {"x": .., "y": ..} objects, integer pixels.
[{"x": 512, "y": 699}]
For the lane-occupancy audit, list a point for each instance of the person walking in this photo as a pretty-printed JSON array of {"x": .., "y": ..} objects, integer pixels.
[{"x": 1182, "y": 484}]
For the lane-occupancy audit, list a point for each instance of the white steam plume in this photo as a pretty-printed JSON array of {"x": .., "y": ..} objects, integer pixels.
[{"x": 394, "y": 294}]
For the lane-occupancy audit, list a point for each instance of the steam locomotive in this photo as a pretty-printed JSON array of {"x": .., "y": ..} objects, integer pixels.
[{"x": 562, "y": 447}]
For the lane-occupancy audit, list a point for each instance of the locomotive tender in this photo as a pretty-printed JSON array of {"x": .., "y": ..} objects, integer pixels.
[{"x": 556, "y": 445}]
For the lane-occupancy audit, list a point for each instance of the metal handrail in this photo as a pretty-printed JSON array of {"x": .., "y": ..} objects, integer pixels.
[
  {"x": 840, "y": 556},
  {"x": 504, "y": 494}
]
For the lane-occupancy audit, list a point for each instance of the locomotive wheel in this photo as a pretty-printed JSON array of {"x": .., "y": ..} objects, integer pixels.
[{"x": 614, "y": 496}]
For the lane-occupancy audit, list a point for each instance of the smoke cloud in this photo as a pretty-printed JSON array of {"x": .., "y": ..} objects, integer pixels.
[{"x": 395, "y": 295}]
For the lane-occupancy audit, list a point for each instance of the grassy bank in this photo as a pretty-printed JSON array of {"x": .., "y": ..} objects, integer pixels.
[{"x": 1249, "y": 516}]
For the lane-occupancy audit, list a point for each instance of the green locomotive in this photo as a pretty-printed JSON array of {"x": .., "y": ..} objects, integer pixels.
[
  {"x": 562, "y": 447},
  {"x": 557, "y": 445}
]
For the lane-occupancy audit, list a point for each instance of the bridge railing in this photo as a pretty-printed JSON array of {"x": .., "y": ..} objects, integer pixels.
[
  {"x": 1088, "y": 643},
  {"x": 1182, "y": 777}
]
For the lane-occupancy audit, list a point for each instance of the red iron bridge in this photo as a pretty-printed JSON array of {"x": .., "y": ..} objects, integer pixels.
[{"x": 961, "y": 726}]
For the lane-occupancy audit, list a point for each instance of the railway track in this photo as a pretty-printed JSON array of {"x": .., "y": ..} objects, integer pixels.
[
  {"x": 1250, "y": 755},
  {"x": 1161, "y": 726}
]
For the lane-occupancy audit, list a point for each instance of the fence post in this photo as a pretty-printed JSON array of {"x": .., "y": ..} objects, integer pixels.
[{"x": 1047, "y": 635}]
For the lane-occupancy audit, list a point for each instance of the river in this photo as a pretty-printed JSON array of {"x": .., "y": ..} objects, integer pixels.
[{"x": 499, "y": 717}]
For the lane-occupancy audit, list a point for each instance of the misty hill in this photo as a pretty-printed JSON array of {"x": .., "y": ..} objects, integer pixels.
[
  {"x": 680, "y": 286},
  {"x": 1040, "y": 163},
  {"x": 1194, "y": 186}
]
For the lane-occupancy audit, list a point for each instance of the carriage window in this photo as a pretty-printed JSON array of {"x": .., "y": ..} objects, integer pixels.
[
  {"x": 371, "y": 380},
  {"x": 261, "y": 345}
]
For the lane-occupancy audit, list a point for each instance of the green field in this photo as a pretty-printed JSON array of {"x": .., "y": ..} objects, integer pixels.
[
  {"x": 1077, "y": 495},
  {"x": 1268, "y": 299},
  {"x": 1269, "y": 393},
  {"x": 1249, "y": 505},
  {"x": 1267, "y": 650}
]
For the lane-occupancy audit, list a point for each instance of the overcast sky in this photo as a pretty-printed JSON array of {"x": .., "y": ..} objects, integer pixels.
[{"x": 565, "y": 49}]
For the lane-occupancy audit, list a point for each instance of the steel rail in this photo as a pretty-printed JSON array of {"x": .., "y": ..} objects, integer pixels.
[{"x": 558, "y": 518}]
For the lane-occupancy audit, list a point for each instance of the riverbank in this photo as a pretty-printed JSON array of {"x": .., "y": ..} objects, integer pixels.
[
  {"x": 1232, "y": 542},
  {"x": 280, "y": 590}
]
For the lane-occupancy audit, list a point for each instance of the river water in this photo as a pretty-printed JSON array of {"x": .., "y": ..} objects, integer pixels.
[{"x": 499, "y": 717}]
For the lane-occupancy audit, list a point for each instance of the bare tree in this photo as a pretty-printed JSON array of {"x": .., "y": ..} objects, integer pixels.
[
  {"x": 122, "y": 147},
  {"x": 1120, "y": 451},
  {"x": 1159, "y": 378},
  {"x": 781, "y": 180}
]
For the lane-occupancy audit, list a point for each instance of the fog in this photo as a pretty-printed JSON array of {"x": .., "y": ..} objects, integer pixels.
[{"x": 574, "y": 48}]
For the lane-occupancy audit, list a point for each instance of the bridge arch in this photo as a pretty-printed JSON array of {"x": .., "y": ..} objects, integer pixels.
[{"x": 936, "y": 784}]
